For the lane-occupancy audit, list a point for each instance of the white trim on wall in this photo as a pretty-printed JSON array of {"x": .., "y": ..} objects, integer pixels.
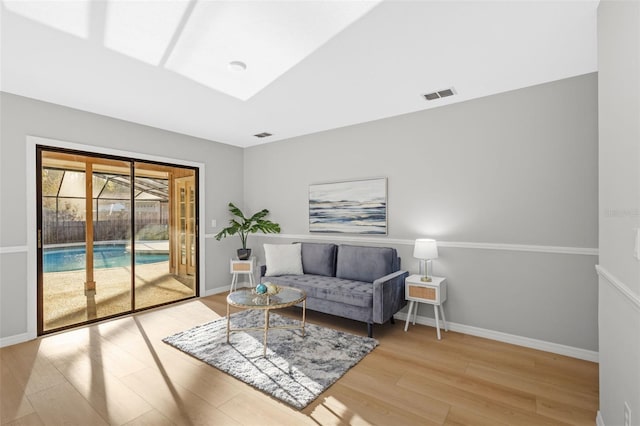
[
  {"x": 586, "y": 251},
  {"x": 14, "y": 340},
  {"x": 13, "y": 249},
  {"x": 622, "y": 288},
  {"x": 30, "y": 168},
  {"x": 513, "y": 339},
  {"x": 31, "y": 231},
  {"x": 216, "y": 290}
]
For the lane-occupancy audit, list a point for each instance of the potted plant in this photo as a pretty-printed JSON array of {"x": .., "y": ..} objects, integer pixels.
[{"x": 243, "y": 226}]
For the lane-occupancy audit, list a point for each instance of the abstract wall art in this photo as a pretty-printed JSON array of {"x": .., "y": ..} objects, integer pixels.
[{"x": 353, "y": 207}]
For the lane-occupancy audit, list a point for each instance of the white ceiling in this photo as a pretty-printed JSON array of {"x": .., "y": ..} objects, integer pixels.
[{"x": 131, "y": 62}]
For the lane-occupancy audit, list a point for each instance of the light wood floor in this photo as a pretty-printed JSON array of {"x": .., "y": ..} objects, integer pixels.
[{"x": 120, "y": 372}]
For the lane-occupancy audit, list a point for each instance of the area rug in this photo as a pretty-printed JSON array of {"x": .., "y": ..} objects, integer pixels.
[{"x": 295, "y": 370}]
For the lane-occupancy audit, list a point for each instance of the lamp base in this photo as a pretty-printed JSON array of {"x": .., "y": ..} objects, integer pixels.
[{"x": 425, "y": 279}]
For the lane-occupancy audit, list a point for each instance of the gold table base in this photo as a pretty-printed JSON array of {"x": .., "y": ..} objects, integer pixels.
[{"x": 266, "y": 327}]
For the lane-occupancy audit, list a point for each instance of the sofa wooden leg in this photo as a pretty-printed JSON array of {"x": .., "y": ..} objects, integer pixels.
[
  {"x": 370, "y": 329},
  {"x": 392, "y": 320}
]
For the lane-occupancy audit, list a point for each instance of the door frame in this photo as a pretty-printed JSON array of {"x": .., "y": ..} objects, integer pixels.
[{"x": 32, "y": 267}]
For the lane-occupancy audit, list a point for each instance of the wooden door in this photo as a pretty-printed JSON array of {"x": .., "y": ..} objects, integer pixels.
[{"x": 185, "y": 214}]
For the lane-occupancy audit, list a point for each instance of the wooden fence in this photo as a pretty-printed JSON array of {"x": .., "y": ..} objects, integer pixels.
[{"x": 71, "y": 231}]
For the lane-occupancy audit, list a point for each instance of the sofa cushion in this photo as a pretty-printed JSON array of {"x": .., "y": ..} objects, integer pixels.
[
  {"x": 319, "y": 259},
  {"x": 349, "y": 292},
  {"x": 283, "y": 259},
  {"x": 365, "y": 263}
]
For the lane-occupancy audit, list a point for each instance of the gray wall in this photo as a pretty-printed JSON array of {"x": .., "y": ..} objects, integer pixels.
[
  {"x": 22, "y": 116},
  {"x": 514, "y": 168},
  {"x": 619, "y": 156}
]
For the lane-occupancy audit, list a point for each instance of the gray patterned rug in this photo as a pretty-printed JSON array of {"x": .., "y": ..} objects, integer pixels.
[{"x": 296, "y": 369}]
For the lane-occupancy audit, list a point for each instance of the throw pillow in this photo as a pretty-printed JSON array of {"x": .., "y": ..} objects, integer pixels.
[{"x": 283, "y": 259}]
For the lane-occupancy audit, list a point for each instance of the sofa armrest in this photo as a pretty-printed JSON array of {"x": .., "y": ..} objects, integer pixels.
[{"x": 388, "y": 296}]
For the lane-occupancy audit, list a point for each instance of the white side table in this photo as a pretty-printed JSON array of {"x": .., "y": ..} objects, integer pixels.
[
  {"x": 433, "y": 293},
  {"x": 241, "y": 267}
]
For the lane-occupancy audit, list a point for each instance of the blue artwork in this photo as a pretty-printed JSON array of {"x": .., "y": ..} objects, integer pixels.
[{"x": 354, "y": 207}]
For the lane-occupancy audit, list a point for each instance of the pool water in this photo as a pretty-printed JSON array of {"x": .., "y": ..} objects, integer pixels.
[{"x": 62, "y": 259}]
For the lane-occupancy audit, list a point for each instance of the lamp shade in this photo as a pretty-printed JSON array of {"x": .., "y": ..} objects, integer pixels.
[{"x": 425, "y": 249}]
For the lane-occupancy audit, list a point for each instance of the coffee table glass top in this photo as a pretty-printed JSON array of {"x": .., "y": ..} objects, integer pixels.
[{"x": 245, "y": 298}]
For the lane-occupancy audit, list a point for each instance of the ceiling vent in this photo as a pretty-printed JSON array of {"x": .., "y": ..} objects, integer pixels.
[
  {"x": 440, "y": 94},
  {"x": 263, "y": 135}
]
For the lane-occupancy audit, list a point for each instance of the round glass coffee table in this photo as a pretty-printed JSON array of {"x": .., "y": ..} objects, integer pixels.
[{"x": 246, "y": 299}]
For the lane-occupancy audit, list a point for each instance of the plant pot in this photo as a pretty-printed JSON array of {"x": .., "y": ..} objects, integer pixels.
[{"x": 244, "y": 254}]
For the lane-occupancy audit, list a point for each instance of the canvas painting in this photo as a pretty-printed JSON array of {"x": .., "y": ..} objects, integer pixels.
[{"x": 354, "y": 207}]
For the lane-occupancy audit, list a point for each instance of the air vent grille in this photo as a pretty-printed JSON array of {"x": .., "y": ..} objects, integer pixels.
[
  {"x": 440, "y": 94},
  {"x": 263, "y": 135}
]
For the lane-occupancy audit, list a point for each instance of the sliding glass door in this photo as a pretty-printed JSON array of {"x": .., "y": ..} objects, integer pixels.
[
  {"x": 113, "y": 236},
  {"x": 172, "y": 231}
]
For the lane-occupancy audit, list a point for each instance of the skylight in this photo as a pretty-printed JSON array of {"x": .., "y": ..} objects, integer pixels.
[
  {"x": 142, "y": 30},
  {"x": 269, "y": 37},
  {"x": 71, "y": 17},
  {"x": 234, "y": 47}
]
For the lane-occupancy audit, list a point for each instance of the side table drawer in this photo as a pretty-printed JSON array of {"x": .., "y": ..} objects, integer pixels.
[
  {"x": 240, "y": 267},
  {"x": 426, "y": 293}
]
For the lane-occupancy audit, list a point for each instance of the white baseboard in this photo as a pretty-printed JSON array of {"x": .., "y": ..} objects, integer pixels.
[
  {"x": 15, "y": 339},
  {"x": 216, "y": 290},
  {"x": 599, "y": 421},
  {"x": 510, "y": 338}
]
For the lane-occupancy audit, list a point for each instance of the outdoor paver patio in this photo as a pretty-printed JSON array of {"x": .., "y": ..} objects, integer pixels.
[{"x": 65, "y": 302}]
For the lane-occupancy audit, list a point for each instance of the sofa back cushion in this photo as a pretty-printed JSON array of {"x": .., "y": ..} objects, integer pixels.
[
  {"x": 365, "y": 263},
  {"x": 319, "y": 259}
]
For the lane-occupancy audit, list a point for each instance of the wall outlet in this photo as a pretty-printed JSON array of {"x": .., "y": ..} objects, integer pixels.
[{"x": 627, "y": 414}]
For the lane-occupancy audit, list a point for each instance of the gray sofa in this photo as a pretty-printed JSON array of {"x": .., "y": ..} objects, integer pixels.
[{"x": 356, "y": 282}]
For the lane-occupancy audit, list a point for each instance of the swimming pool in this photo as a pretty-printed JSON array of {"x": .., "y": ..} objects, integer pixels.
[{"x": 60, "y": 259}]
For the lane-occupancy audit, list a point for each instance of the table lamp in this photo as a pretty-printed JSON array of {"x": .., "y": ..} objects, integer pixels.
[{"x": 425, "y": 249}]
